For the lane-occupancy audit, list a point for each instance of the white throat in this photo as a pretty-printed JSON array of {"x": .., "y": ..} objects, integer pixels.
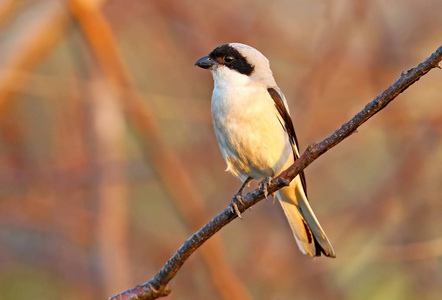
[{"x": 227, "y": 78}]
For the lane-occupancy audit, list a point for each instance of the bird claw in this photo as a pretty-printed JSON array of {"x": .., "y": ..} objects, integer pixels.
[
  {"x": 237, "y": 199},
  {"x": 264, "y": 185}
]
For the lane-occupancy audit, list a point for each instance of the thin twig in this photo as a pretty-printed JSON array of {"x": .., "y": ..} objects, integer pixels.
[{"x": 157, "y": 286}]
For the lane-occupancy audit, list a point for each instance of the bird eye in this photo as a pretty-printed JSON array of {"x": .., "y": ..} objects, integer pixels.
[{"x": 228, "y": 58}]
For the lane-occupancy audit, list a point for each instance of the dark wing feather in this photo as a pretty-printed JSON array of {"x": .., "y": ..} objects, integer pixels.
[{"x": 288, "y": 127}]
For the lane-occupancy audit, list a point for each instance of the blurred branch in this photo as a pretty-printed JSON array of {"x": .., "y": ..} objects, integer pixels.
[
  {"x": 108, "y": 127},
  {"x": 167, "y": 165},
  {"x": 111, "y": 186},
  {"x": 157, "y": 286},
  {"x": 7, "y": 9},
  {"x": 30, "y": 48}
]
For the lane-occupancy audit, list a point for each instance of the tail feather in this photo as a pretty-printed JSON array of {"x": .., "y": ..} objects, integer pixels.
[{"x": 309, "y": 235}]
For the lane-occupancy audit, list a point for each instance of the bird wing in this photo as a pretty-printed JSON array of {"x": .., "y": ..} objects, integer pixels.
[{"x": 288, "y": 127}]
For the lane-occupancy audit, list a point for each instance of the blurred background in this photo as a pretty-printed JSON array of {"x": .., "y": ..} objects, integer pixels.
[{"x": 109, "y": 162}]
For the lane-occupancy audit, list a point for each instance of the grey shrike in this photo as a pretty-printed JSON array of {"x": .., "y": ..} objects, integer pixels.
[{"x": 256, "y": 135}]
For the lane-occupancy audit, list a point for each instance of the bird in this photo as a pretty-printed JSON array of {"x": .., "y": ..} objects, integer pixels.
[{"x": 256, "y": 136}]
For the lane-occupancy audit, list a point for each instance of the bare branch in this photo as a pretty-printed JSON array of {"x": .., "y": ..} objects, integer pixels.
[{"x": 157, "y": 286}]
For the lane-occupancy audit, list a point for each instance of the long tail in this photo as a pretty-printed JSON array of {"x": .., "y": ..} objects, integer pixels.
[{"x": 310, "y": 237}]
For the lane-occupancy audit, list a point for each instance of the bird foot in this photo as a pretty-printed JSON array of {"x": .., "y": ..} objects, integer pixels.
[
  {"x": 237, "y": 200},
  {"x": 264, "y": 185}
]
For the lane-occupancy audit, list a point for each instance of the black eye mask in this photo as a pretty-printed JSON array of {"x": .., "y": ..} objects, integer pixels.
[{"x": 231, "y": 58}]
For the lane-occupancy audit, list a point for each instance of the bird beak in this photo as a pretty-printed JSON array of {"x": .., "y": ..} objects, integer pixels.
[{"x": 206, "y": 62}]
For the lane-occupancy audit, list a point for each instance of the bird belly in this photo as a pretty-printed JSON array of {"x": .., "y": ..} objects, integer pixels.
[{"x": 251, "y": 138}]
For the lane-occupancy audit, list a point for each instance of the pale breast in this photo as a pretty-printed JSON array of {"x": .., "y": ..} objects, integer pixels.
[{"x": 251, "y": 138}]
